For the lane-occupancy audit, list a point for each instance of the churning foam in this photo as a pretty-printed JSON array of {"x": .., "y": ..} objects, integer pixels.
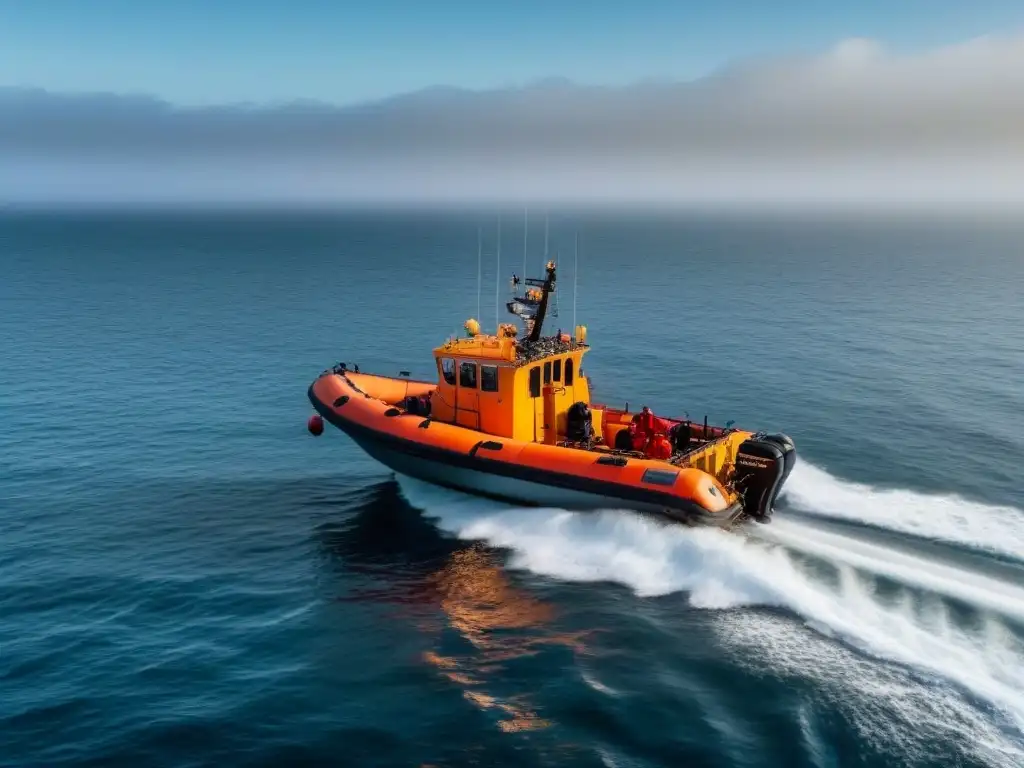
[
  {"x": 973, "y": 588},
  {"x": 887, "y": 705},
  {"x": 946, "y": 518},
  {"x": 725, "y": 570}
]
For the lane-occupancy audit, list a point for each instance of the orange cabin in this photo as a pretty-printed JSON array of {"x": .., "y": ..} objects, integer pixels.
[{"x": 485, "y": 382}]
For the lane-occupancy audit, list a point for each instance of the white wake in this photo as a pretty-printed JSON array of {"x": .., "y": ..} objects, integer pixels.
[
  {"x": 915, "y": 627},
  {"x": 948, "y": 518}
]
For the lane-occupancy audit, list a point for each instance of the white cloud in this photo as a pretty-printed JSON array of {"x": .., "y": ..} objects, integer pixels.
[{"x": 856, "y": 123}]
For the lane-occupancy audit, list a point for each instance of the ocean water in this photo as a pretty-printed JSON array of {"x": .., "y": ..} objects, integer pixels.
[{"x": 188, "y": 578}]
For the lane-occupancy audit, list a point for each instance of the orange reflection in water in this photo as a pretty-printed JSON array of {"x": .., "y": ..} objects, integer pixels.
[{"x": 487, "y": 610}]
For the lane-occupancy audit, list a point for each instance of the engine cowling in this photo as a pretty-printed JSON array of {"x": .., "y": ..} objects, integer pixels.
[{"x": 763, "y": 463}]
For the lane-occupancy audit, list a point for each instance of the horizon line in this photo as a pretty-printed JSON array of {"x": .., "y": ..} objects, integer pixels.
[{"x": 970, "y": 209}]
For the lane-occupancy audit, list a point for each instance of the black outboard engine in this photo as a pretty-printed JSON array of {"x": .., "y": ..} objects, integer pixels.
[
  {"x": 789, "y": 449},
  {"x": 763, "y": 464},
  {"x": 579, "y": 423}
]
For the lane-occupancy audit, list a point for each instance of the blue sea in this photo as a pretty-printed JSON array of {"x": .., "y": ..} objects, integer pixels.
[{"x": 188, "y": 578}]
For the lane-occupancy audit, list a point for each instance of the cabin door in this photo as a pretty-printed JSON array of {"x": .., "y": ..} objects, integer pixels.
[
  {"x": 538, "y": 403},
  {"x": 467, "y": 412},
  {"x": 494, "y": 417}
]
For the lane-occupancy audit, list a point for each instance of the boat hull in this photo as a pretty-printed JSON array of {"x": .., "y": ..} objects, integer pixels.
[
  {"x": 518, "y": 485},
  {"x": 517, "y": 491}
]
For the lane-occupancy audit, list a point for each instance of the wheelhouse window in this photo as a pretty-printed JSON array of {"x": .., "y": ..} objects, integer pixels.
[
  {"x": 535, "y": 381},
  {"x": 557, "y": 374},
  {"x": 568, "y": 371},
  {"x": 489, "y": 378},
  {"x": 547, "y": 372},
  {"x": 467, "y": 375},
  {"x": 448, "y": 370}
]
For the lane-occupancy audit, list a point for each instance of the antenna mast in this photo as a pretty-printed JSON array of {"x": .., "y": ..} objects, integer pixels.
[
  {"x": 545, "y": 237},
  {"x": 575, "y": 269},
  {"x": 526, "y": 236},
  {"x": 542, "y": 308},
  {"x": 479, "y": 269},
  {"x": 497, "y": 282}
]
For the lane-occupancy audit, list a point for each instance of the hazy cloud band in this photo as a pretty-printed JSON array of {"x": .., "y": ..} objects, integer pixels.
[{"x": 854, "y": 124}]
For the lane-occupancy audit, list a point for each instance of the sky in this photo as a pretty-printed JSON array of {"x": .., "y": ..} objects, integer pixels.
[
  {"x": 734, "y": 100},
  {"x": 201, "y": 52}
]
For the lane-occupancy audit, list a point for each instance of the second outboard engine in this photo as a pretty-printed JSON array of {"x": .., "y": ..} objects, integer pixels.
[
  {"x": 762, "y": 465},
  {"x": 788, "y": 449},
  {"x": 579, "y": 423}
]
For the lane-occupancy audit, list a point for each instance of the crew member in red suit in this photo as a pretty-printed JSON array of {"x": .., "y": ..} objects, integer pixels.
[
  {"x": 647, "y": 425},
  {"x": 637, "y": 435}
]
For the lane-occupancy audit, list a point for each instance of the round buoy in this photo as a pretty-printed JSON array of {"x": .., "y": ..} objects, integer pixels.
[{"x": 315, "y": 425}]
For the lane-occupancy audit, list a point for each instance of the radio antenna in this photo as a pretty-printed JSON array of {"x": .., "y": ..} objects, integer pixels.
[
  {"x": 479, "y": 268},
  {"x": 497, "y": 281},
  {"x": 575, "y": 270},
  {"x": 545, "y": 237},
  {"x": 526, "y": 236}
]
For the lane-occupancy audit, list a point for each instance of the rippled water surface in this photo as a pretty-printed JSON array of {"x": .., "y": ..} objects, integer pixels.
[{"x": 188, "y": 578}]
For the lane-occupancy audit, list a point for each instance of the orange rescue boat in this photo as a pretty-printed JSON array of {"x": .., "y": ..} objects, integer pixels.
[{"x": 512, "y": 419}]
